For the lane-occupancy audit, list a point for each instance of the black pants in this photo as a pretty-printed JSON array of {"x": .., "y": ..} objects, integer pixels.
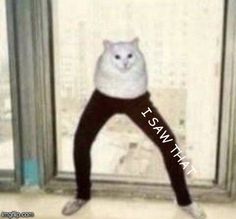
[{"x": 98, "y": 110}]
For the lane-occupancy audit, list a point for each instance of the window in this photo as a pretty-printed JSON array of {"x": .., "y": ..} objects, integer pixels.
[
  {"x": 6, "y": 139},
  {"x": 189, "y": 49},
  {"x": 182, "y": 57}
]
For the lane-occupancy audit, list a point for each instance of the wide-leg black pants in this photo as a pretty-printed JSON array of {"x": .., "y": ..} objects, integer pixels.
[{"x": 98, "y": 110}]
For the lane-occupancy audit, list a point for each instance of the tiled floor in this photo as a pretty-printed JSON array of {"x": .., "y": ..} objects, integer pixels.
[{"x": 48, "y": 206}]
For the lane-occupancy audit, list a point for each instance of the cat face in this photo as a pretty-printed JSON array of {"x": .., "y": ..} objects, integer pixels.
[{"x": 123, "y": 55}]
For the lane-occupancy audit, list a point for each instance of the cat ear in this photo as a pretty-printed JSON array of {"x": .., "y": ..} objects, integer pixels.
[
  {"x": 107, "y": 44},
  {"x": 135, "y": 41}
]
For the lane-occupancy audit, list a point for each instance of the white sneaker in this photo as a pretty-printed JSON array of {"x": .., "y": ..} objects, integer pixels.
[
  {"x": 73, "y": 206},
  {"x": 194, "y": 210}
]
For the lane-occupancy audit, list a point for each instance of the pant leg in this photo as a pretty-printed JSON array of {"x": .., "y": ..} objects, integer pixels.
[
  {"x": 94, "y": 116},
  {"x": 174, "y": 169}
]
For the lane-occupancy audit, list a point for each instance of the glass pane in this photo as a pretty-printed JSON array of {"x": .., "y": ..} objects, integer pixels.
[
  {"x": 6, "y": 142},
  {"x": 183, "y": 55}
]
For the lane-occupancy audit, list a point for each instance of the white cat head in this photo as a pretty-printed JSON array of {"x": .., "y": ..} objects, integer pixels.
[{"x": 123, "y": 55}]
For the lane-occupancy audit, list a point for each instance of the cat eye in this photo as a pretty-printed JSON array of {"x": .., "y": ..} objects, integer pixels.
[
  {"x": 130, "y": 55},
  {"x": 117, "y": 56}
]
